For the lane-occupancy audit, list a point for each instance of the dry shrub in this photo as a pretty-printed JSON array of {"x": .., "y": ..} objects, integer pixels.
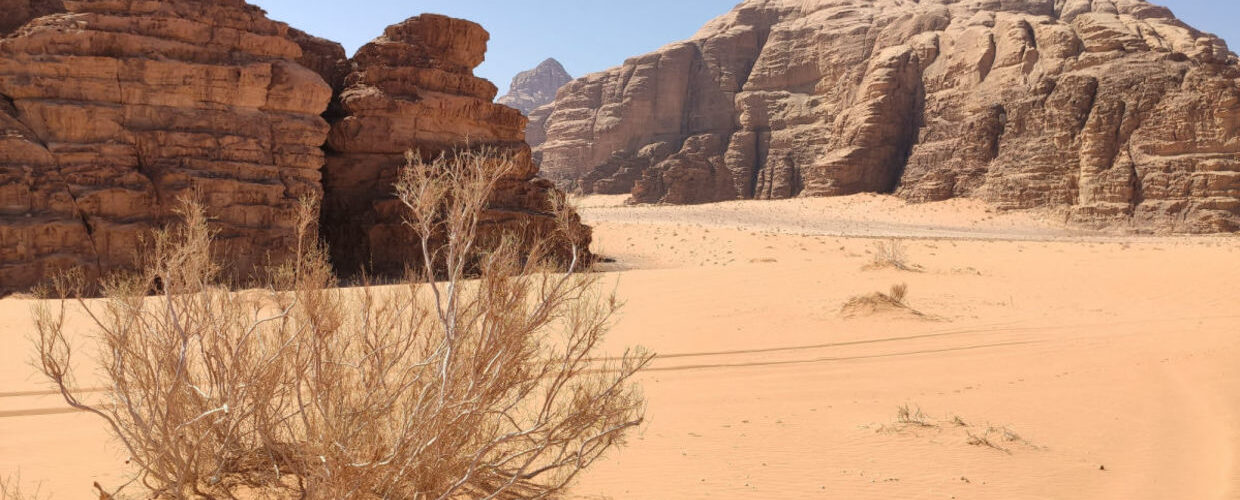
[
  {"x": 440, "y": 387},
  {"x": 881, "y": 303},
  {"x": 891, "y": 255},
  {"x": 909, "y": 416},
  {"x": 11, "y": 489}
]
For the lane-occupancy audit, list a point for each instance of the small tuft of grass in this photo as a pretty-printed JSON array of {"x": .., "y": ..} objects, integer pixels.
[
  {"x": 899, "y": 292},
  {"x": 894, "y": 301},
  {"x": 909, "y": 416},
  {"x": 984, "y": 440}
]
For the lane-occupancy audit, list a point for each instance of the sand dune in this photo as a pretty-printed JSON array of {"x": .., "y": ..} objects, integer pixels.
[{"x": 1061, "y": 364}]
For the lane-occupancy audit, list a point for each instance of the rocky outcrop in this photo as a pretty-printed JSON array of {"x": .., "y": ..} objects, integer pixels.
[
  {"x": 15, "y": 13},
  {"x": 1111, "y": 109},
  {"x": 413, "y": 89},
  {"x": 113, "y": 111},
  {"x": 535, "y": 88},
  {"x": 532, "y": 93}
]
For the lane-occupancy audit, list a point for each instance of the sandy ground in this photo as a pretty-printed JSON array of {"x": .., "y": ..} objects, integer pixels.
[{"x": 1047, "y": 363}]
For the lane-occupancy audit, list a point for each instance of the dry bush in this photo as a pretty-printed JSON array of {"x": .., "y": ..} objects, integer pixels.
[
  {"x": 881, "y": 303},
  {"x": 891, "y": 255},
  {"x": 983, "y": 440},
  {"x": 11, "y": 489},
  {"x": 441, "y": 387},
  {"x": 908, "y": 416}
]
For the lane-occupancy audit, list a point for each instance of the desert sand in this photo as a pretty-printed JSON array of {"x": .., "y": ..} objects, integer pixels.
[{"x": 1036, "y": 361}]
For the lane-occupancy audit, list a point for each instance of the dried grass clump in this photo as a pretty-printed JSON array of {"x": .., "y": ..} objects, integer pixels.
[
  {"x": 892, "y": 302},
  {"x": 909, "y": 416},
  {"x": 440, "y": 387},
  {"x": 993, "y": 435},
  {"x": 890, "y": 254}
]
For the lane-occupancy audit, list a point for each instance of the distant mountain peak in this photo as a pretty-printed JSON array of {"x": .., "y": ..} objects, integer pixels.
[{"x": 536, "y": 87}]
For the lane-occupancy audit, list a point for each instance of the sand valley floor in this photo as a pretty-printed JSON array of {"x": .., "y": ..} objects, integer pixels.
[{"x": 1034, "y": 361}]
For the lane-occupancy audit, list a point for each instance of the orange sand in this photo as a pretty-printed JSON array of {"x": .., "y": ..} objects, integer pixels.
[{"x": 1098, "y": 351}]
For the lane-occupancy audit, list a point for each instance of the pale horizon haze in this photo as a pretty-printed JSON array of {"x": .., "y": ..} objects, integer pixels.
[{"x": 588, "y": 36}]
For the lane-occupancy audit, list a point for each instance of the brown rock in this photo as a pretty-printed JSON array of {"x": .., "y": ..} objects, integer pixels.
[
  {"x": 15, "y": 13},
  {"x": 413, "y": 89},
  {"x": 1112, "y": 109},
  {"x": 112, "y": 111},
  {"x": 535, "y": 88},
  {"x": 325, "y": 57}
]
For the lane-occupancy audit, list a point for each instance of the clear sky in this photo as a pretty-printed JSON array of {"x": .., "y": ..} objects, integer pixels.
[{"x": 587, "y": 35}]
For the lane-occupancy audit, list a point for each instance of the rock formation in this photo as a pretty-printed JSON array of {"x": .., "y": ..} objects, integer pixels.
[
  {"x": 413, "y": 89},
  {"x": 1112, "y": 109},
  {"x": 532, "y": 93},
  {"x": 15, "y": 13},
  {"x": 535, "y": 88},
  {"x": 111, "y": 111}
]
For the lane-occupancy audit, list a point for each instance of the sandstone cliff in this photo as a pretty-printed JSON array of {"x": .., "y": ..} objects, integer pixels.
[
  {"x": 1111, "y": 109},
  {"x": 413, "y": 89},
  {"x": 110, "y": 111},
  {"x": 535, "y": 88},
  {"x": 15, "y": 13}
]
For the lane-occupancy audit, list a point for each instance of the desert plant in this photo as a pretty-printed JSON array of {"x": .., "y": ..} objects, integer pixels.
[
  {"x": 11, "y": 489},
  {"x": 983, "y": 440},
  {"x": 441, "y": 387},
  {"x": 891, "y": 254},
  {"x": 909, "y": 416},
  {"x": 899, "y": 292}
]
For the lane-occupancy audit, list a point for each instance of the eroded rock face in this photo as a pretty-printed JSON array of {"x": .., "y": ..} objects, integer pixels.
[
  {"x": 15, "y": 13},
  {"x": 413, "y": 89},
  {"x": 1112, "y": 109},
  {"x": 535, "y": 88},
  {"x": 113, "y": 110}
]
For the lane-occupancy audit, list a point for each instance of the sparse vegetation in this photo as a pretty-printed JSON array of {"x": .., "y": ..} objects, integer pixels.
[
  {"x": 440, "y": 387},
  {"x": 890, "y": 254},
  {"x": 899, "y": 292},
  {"x": 998, "y": 433},
  {"x": 907, "y": 415},
  {"x": 894, "y": 301},
  {"x": 11, "y": 488},
  {"x": 984, "y": 441}
]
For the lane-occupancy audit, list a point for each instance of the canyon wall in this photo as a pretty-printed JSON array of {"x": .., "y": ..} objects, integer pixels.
[
  {"x": 111, "y": 111},
  {"x": 1112, "y": 110}
]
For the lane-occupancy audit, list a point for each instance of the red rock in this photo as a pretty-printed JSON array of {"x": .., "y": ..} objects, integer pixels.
[
  {"x": 413, "y": 89},
  {"x": 1111, "y": 109},
  {"x": 113, "y": 110},
  {"x": 15, "y": 13}
]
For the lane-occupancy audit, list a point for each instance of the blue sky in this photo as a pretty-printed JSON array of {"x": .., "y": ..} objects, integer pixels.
[{"x": 587, "y": 35}]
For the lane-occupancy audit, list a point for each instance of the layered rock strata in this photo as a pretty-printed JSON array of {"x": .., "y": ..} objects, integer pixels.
[
  {"x": 112, "y": 111},
  {"x": 1112, "y": 110},
  {"x": 413, "y": 89}
]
